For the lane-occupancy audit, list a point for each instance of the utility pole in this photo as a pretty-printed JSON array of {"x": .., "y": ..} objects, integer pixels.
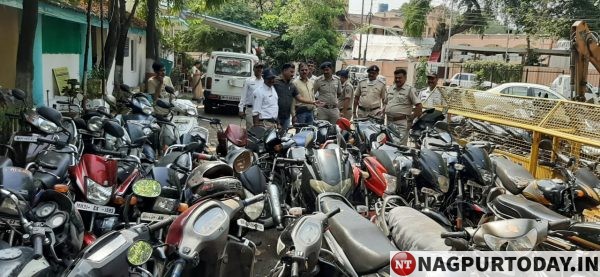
[
  {"x": 362, "y": 11},
  {"x": 448, "y": 41},
  {"x": 369, "y": 33}
]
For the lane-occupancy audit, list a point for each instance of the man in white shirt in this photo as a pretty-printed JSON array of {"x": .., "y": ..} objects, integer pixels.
[
  {"x": 436, "y": 98},
  {"x": 247, "y": 98},
  {"x": 265, "y": 105}
]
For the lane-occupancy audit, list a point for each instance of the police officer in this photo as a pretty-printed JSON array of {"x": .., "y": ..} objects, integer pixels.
[
  {"x": 328, "y": 87},
  {"x": 368, "y": 94},
  {"x": 344, "y": 98},
  {"x": 398, "y": 105},
  {"x": 265, "y": 106},
  {"x": 247, "y": 99}
]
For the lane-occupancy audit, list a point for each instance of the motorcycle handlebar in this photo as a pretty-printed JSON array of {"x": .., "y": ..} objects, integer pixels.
[
  {"x": 459, "y": 234},
  {"x": 38, "y": 250},
  {"x": 109, "y": 152},
  {"x": 401, "y": 147},
  {"x": 178, "y": 268},
  {"x": 295, "y": 269},
  {"x": 159, "y": 225},
  {"x": 253, "y": 199},
  {"x": 286, "y": 160},
  {"x": 51, "y": 141},
  {"x": 205, "y": 157},
  {"x": 211, "y": 120},
  {"x": 332, "y": 213}
]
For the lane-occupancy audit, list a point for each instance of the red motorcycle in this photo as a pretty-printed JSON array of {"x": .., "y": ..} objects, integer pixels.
[{"x": 102, "y": 180}]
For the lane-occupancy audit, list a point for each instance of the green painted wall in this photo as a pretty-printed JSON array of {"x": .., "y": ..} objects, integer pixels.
[{"x": 60, "y": 36}]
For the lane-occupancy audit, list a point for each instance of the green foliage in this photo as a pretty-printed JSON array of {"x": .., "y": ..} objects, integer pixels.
[
  {"x": 201, "y": 37},
  {"x": 307, "y": 30},
  {"x": 495, "y": 71},
  {"x": 415, "y": 17},
  {"x": 421, "y": 74}
]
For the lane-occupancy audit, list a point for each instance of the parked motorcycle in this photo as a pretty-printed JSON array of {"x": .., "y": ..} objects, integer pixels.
[
  {"x": 140, "y": 123},
  {"x": 357, "y": 244}
]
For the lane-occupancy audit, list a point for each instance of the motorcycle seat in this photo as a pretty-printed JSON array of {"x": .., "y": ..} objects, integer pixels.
[
  {"x": 367, "y": 249},
  {"x": 412, "y": 230},
  {"x": 513, "y": 206},
  {"x": 514, "y": 177}
]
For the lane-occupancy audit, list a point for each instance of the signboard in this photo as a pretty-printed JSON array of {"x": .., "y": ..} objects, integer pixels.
[{"x": 61, "y": 76}]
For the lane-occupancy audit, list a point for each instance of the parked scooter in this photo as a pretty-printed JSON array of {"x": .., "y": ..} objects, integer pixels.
[
  {"x": 140, "y": 123},
  {"x": 300, "y": 251},
  {"x": 209, "y": 230},
  {"x": 108, "y": 255}
]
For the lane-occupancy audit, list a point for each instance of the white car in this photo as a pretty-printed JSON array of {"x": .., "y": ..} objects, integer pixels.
[
  {"x": 527, "y": 89},
  {"x": 467, "y": 80},
  {"x": 562, "y": 85}
]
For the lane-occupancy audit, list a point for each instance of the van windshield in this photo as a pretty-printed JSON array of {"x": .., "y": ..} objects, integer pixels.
[{"x": 233, "y": 66}]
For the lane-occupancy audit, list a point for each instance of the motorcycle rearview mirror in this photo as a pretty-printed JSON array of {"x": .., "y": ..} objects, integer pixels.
[
  {"x": 546, "y": 144},
  {"x": 147, "y": 188},
  {"x": 163, "y": 104},
  {"x": 19, "y": 94},
  {"x": 80, "y": 123},
  {"x": 139, "y": 253},
  {"x": 170, "y": 90},
  {"x": 125, "y": 88},
  {"x": 442, "y": 125},
  {"x": 51, "y": 115},
  {"x": 194, "y": 147},
  {"x": 113, "y": 129}
]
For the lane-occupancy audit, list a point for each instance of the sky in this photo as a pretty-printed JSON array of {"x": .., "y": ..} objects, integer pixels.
[{"x": 392, "y": 4}]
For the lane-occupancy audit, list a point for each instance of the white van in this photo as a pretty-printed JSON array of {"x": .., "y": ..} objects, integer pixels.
[
  {"x": 562, "y": 85},
  {"x": 224, "y": 79}
]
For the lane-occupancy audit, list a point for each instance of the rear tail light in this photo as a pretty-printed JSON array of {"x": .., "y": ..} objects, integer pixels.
[
  {"x": 62, "y": 188},
  {"x": 208, "y": 83}
]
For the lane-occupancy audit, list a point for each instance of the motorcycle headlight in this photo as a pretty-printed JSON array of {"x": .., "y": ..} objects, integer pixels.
[
  {"x": 165, "y": 205},
  {"x": 242, "y": 162},
  {"x": 392, "y": 183},
  {"x": 487, "y": 176},
  {"x": 191, "y": 112},
  {"x": 320, "y": 186},
  {"x": 94, "y": 124},
  {"x": 96, "y": 193},
  {"x": 147, "y": 110},
  {"x": 444, "y": 183},
  {"x": 255, "y": 210},
  {"x": 522, "y": 243},
  {"x": 41, "y": 123}
]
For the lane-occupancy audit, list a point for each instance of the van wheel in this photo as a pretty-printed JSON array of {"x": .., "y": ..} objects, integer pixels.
[{"x": 209, "y": 107}]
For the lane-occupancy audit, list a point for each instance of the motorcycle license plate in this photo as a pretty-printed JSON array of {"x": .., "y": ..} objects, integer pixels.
[
  {"x": 230, "y": 98},
  {"x": 181, "y": 121},
  {"x": 251, "y": 225},
  {"x": 89, "y": 207},
  {"x": 429, "y": 191},
  {"x": 25, "y": 138},
  {"x": 140, "y": 122},
  {"x": 474, "y": 184},
  {"x": 155, "y": 217}
]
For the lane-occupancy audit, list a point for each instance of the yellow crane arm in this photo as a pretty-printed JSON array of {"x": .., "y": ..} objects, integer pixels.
[{"x": 585, "y": 48}]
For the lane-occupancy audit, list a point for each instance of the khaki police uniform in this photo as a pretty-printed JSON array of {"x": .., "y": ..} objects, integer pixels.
[
  {"x": 399, "y": 104},
  {"x": 328, "y": 91},
  {"x": 370, "y": 94},
  {"x": 347, "y": 91}
]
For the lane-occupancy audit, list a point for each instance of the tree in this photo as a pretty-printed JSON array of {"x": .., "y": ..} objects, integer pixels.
[
  {"x": 415, "y": 17},
  {"x": 24, "y": 70},
  {"x": 124, "y": 24},
  {"x": 201, "y": 37},
  {"x": 306, "y": 30},
  {"x": 152, "y": 34},
  {"x": 473, "y": 16}
]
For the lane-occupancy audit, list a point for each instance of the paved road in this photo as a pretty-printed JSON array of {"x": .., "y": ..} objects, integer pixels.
[{"x": 266, "y": 241}]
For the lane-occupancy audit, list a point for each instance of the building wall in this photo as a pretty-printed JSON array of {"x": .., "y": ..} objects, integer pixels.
[{"x": 9, "y": 38}]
